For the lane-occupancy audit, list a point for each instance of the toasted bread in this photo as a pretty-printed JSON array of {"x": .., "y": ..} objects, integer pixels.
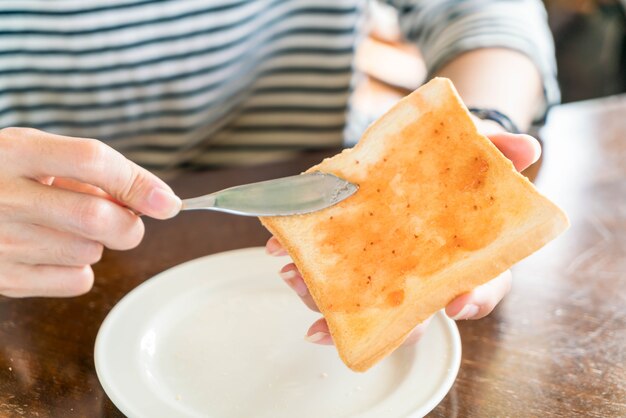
[{"x": 438, "y": 212}]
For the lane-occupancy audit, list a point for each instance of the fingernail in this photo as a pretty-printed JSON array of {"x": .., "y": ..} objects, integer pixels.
[
  {"x": 537, "y": 148},
  {"x": 163, "y": 202},
  {"x": 273, "y": 249},
  {"x": 316, "y": 337},
  {"x": 469, "y": 311},
  {"x": 294, "y": 280}
]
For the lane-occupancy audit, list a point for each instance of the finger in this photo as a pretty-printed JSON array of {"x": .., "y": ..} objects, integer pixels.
[
  {"x": 293, "y": 278},
  {"x": 34, "y": 244},
  {"x": 91, "y": 161},
  {"x": 482, "y": 300},
  {"x": 523, "y": 150},
  {"x": 274, "y": 247},
  {"x": 87, "y": 216},
  {"x": 319, "y": 333},
  {"x": 417, "y": 333},
  {"x": 77, "y": 186},
  {"x": 23, "y": 280}
]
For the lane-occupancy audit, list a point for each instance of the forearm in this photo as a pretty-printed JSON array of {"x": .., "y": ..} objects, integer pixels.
[{"x": 498, "y": 78}]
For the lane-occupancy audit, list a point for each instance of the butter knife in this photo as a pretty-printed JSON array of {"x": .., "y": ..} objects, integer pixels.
[{"x": 293, "y": 195}]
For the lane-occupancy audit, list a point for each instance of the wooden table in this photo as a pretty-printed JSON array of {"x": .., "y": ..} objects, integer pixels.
[{"x": 555, "y": 347}]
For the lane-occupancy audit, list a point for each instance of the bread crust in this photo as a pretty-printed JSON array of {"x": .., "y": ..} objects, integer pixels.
[{"x": 439, "y": 211}]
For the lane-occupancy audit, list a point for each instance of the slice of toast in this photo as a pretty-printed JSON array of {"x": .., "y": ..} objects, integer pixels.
[{"x": 438, "y": 212}]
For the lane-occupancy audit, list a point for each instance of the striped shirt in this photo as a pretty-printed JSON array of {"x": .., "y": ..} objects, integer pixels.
[{"x": 202, "y": 83}]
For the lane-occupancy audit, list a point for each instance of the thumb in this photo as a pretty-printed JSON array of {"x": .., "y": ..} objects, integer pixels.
[
  {"x": 92, "y": 162},
  {"x": 523, "y": 150},
  {"x": 145, "y": 193}
]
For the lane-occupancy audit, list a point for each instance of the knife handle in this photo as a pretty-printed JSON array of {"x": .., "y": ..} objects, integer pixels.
[{"x": 201, "y": 202}]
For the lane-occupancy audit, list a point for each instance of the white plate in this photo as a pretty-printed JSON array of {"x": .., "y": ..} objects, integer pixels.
[{"x": 222, "y": 336}]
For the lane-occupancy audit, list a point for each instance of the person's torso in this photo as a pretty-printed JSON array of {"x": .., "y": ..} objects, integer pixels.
[{"x": 170, "y": 82}]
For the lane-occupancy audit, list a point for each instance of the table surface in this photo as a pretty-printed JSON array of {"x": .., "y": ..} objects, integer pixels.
[{"x": 556, "y": 346}]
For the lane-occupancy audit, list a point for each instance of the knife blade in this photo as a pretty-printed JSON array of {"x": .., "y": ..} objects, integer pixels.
[{"x": 294, "y": 195}]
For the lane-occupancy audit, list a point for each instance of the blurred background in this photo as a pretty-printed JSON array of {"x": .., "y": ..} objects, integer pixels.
[{"x": 590, "y": 38}]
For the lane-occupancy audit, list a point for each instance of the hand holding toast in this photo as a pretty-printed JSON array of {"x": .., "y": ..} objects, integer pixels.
[
  {"x": 522, "y": 150},
  {"x": 441, "y": 212}
]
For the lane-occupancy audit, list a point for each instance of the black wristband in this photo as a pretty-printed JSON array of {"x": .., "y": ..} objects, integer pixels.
[{"x": 496, "y": 116}]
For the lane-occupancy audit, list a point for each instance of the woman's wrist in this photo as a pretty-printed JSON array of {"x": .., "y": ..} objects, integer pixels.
[
  {"x": 487, "y": 127},
  {"x": 497, "y": 78},
  {"x": 495, "y": 116}
]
